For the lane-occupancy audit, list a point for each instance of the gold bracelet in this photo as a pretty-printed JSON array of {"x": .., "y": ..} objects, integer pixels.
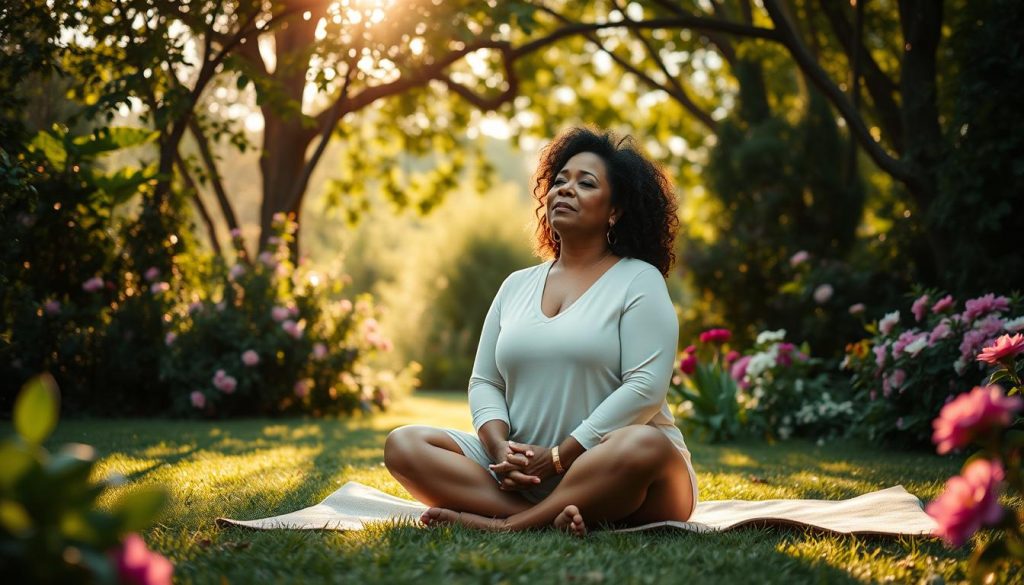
[{"x": 558, "y": 462}]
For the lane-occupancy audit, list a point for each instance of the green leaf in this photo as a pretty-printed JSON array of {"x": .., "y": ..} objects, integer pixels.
[
  {"x": 139, "y": 508},
  {"x": 14, "y": 518},
  {"x": 15, "y": 462},
  {"x": 36, "y": 409},
  {"x": 52, "y": 148},
  {"x": 109, "y": 139}
]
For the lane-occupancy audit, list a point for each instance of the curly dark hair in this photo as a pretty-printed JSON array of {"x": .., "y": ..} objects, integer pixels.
[{"x": 640, "y": 188}]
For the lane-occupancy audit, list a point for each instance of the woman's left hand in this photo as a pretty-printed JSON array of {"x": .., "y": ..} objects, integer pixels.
[{"x": 539, "y": 463}]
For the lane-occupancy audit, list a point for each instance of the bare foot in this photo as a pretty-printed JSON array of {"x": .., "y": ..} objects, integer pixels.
[
  {"x": 442, "y": 516},
  {"x": 571, "y": 521}
]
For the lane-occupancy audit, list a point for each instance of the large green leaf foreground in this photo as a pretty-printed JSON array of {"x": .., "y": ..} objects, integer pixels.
[{"x": 892, "y": 511}]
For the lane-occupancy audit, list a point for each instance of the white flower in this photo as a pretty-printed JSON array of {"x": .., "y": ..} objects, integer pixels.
[
  {"x": 914, "y": 347},
  {"x": 886, "y": 324},
  {"x": 1014, "y": 325},
  {"x": 760, "y": 362},
  {"x": 959, "y": 366},
  {"x": 770, "y": 336}
]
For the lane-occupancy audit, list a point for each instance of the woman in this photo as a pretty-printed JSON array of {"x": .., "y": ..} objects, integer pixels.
[{"x": 573, "y": 366}]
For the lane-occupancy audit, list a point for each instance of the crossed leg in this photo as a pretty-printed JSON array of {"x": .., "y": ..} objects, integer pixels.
[{"x": 634, "y": 476}]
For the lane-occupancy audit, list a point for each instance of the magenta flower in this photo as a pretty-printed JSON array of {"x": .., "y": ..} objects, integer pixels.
[
  {"x": 688, "y": 365},
  {"x": 294, "y": 329},
  {"x": 905, "y": 339},
  {"x": 250, "y": 358},
  {"x": 198, "y": 399},
  {"x": 169, "y": 338},
  {"x": 279, "y": 313},
  {"x": 690, "y": 349},
  {"x": 971, "y": 414},
  {"x": 52, "y": 307},
  {"x": 881, "y": 352},
  {"x": 137, "y": 565},
  {"x": 715, "y": 336},
  {"x": 785, "y": 357},
  {"x": 236, "y": 234},
  {"x": 942, "y": 304},
  {"x": 1005, "y": 347},
  {"x": 731, "y": 357},
  {"x": 152, "y": 274},
  {"x": 94, "y": 284},
  {"x": 920, "y": 307},
  {"x": 159, "y": 287},
  {"x": 739, "y": 370},
  {"x": 897, "y": 378},
  {"x": 941, "y": 331},
  {"x": 970, "y": 500},
  {"x": 989, "y": 303},
  {"x": 302, "y": 387}
]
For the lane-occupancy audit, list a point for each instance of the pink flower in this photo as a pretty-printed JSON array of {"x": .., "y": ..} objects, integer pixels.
[
  {"x": 823, "y": 293},
  {"x": 236, "y": 234},
  {"x": 941, "y": 331},
  {"x": 279, "y": 217},
  {"x": 989, "y": 303},
  {"x": 739, "y": 370},
  {"x": 293, "y": 310},
  {"x": 857, "y": 309},
  {"x": 236, "y": 271},
  {"x": 152, "y": 274},
  {"x": 302, "y": 387},
  {"x": 715, "y": 336},
  {"x": 785, "y": 353},
  {"x": 905, "y": 339},
  {"x": 92, "y": 285},
  {"x": 198, "y": 399},
  {"x": 279, "y": 313},
  {"x": 223, "y": 382},
  {"x": 250, "y": 358},
  {"x": 51, "y": 307},
  {"x": 268, "y": 259},
  {"x": 886, "y": 324},
  {"x": 920, "y": 307},
  {"x": 319, "y": 351},
  {"x": 345, "y": 305},
  {"x": 690, "y": 349},
  {"x": 688, "y": 365},
  {"x": 294, "y": 329},
  {"x": 169, "y": 338},
  {"x": 1004, "y": 347},
  {"x": 194, "y": 307},
  {"x": 137, "y": 565},
  {"x": 881, "y": 352},
  {"x": 973, "y": 413},
  {"x": 731, "y": 357},
  {"x": 942, "y": 304},
  {"x": 897, "y": 379},
  {"x": 159, "y": 287},
  {"x": 969, "y": 500},
  {"x": 799, "y": 258},
  {"x": 274, "y": 240}
]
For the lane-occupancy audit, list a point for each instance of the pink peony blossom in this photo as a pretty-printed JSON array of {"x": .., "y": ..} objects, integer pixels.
[
  {"x": 970, "y": 500},
  {"x": 920, "y": 307},
  {"x": 973, "y": 413},
  {"x": 319, "y": 351},
  {"x": 250, "y": 358},
  {"x": 224, "y": 383},
  {"x": 94, "y": 284},
  {"x": 1005, "y": 347},
  {"x": 886, "y": 324},
  {"x": 905, "y": 339},
  {"x": 941, "y": 331},
  {"x": 198, "y": 399},
  {"x": 799, "y": 258},
  {"x": 169, "y": 338},
  {"x": 881, "y": 352},
  {"x": 52, "y": 307},
  {"x": 715, "y": 336},
  {"x": 942, "y": 304},
  {"x": 989, "y": 303},
  {"x": 857, "y": 309},
  {"x": 688, "y": 365},
  {"x": 739, "y": 371},
  {"x": 302, "y": 387},
  {"x": 137, "y": 565},
  {"x": 152, "y": 274},
  {"x": 279, "y": 314}
]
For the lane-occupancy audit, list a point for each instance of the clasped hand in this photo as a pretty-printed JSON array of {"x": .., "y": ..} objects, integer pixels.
[{"x": 524, "y": 466}]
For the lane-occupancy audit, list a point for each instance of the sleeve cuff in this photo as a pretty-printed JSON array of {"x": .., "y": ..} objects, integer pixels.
[{"x": 586, "y": 436}]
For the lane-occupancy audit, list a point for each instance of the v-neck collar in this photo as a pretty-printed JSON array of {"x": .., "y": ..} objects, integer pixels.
[{"x": 545, "y": 272}]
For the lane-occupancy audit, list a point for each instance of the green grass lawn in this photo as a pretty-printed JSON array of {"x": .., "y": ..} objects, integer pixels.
[{"x": 255, "y": 468}]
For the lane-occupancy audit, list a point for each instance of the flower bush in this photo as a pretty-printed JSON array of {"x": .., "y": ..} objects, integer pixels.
[
  {"x": 273, "y": 341},
  {"x": 916, "y": 362},
  {"x": 51, "y": 528},
  {"x": 785, "y": 392},
  {"x": 706, "y": 393},
  {"x": 970, "y": 500}
]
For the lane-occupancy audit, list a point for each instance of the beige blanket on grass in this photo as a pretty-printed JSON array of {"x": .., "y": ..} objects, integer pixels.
[{"x": 892, "y": 511}]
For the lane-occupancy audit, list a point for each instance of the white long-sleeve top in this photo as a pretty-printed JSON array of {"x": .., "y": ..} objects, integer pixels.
[{"x": 603, "y": 363}]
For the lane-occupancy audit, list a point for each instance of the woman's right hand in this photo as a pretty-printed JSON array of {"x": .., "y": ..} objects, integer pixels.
[{"x": 510, "y": 466}]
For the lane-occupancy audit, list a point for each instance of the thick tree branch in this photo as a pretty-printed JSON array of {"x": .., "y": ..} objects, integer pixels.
[
  {"x": 490, "y": 103},
  {"x": 198, "y": 202},
  {"x": 205, "y": 152},
  {"x": 831, "y": 91}
]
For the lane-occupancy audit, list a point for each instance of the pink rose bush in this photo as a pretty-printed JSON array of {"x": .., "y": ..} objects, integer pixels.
[
  {"x": 137, "y": 565},
  {"x": 275, "y": 340},
  {"x": 984, "y": 417},
  {"x": 915, "y": 362}
]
